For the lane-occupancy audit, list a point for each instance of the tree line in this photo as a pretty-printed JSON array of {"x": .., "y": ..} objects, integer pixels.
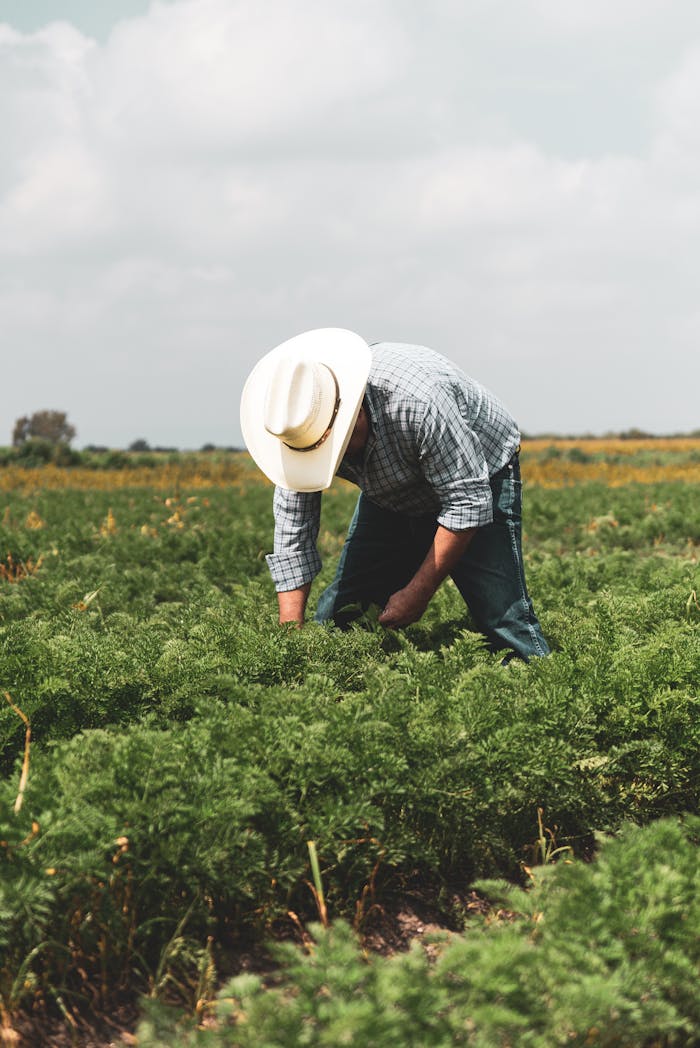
[{"x": 46, "y": 436}]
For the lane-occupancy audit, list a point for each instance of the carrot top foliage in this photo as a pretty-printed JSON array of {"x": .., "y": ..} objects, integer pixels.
[{"x": 184, "y": 748}]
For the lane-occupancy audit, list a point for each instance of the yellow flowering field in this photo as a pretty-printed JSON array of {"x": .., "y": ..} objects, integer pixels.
[
  {"x": 184, "y": 470},
  {"x": 563, "y": 463},
  {"x": 548, "y": 463}
]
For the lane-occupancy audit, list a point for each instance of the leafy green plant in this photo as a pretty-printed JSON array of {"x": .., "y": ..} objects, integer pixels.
[
  {"x": 185, "y": 749},
  {"x": 607, "y": 954}
]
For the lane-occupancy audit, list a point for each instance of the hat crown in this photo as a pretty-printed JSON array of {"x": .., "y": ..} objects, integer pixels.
[
  {"x": 296, "y": 444},
  {"x": 300, "y": 401}
]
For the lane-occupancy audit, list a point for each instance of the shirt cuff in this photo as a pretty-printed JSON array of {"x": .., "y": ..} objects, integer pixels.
[
  {"x": 461, "y": 518},
  {"x": 294, "y": 569}
]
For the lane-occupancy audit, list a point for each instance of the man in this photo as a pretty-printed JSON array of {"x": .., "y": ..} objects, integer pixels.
[{"x": 436, "y": 458}]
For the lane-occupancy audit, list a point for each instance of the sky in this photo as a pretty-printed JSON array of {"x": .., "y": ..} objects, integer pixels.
[{"x": 186, "y": 184}]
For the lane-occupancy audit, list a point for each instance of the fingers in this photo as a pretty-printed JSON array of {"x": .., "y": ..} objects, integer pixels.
[
  {"x": 396, "y": 613},
  {"x": 403, "y": 608}
]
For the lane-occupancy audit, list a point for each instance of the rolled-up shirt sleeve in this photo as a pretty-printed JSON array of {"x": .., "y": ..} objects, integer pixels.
[
  {"x": 295, "y": 560},
  {"x": 454, "y": 465}
]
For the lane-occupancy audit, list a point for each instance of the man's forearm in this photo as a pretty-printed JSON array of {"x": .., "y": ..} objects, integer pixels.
[
  {"x": 292, "y": 604},
  {"x": 409, "y": 603},
  {"x": 446, "y": 550}
]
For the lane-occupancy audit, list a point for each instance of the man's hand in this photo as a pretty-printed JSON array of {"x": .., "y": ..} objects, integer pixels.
[
  {"x": 408, "y": 604},
  {"x": 404, "y": 607}
]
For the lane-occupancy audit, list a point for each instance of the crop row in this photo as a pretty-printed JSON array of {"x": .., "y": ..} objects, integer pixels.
[
  {"x": 600, "y": 954},
  {"x": 184, "y": 749}
]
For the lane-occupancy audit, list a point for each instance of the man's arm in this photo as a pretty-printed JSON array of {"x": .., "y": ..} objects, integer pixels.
[
  {"x": 295, "y": 560},
  {"x": 408, "y": 604},
  {"x": 292, "y": 604}
]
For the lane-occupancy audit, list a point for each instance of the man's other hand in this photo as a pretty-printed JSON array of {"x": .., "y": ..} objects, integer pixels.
[
  {"x": 408, "y": 604},
  {"x": 404, "y": 607}
]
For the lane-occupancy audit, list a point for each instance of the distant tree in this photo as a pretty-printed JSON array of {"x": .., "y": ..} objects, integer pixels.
[
  {"x": 139, "y": 445},
  {"x": 36, "y": 451},
  {"x": 51, "y": 426},
  {"x": 636, "y": 434}
]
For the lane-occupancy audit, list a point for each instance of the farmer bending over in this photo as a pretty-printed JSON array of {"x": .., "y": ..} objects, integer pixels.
[{"x": 435, "y": 456}]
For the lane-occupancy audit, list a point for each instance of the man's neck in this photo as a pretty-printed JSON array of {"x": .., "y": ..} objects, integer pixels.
[{"x": 360, "y": 435}]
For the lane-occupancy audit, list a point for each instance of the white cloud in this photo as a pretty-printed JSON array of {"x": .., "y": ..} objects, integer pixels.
[
  {"x": 677, "y": 141},
  {"x": 217, "y": 77},
  {"x": 220, "y": 174},
  {"x": 578, "y": 18}
]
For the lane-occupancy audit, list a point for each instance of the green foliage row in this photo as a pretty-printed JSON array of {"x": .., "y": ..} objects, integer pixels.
[
  {"x": 606, "y": 954},
  {"x": 175, "y": 604},
  {"x": 645, "y": 457},
  {"x": 185, "y": 749},
  {"x": 35, "y": 452}
]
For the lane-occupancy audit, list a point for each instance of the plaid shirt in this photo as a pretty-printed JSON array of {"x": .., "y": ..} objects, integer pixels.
[{"x": 436, "y": 437}]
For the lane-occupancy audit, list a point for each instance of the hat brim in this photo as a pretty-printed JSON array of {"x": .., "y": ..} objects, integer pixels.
[{"x": 349, "y": 358}]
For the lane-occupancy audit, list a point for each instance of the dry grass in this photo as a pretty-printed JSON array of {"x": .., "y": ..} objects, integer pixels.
[
  {"x": 614, "y": 463},
  {"x": 546, "y": 463}
]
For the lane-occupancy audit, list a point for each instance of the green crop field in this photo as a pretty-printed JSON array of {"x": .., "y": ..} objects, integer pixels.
[{"x": 169, "y": 752}]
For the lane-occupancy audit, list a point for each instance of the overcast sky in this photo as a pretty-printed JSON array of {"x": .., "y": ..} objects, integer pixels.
[{"x": 184, "y": 185}]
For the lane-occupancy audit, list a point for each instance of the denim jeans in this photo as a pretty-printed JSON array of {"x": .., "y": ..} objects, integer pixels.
[{"x": 384, "y": 549}]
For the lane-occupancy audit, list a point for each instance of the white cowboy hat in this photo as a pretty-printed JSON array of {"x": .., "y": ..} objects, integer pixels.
[{"x": 300, "y": 404}]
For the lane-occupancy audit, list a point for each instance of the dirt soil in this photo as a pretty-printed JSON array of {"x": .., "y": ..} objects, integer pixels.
[{"x": 386, "y": 930}]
